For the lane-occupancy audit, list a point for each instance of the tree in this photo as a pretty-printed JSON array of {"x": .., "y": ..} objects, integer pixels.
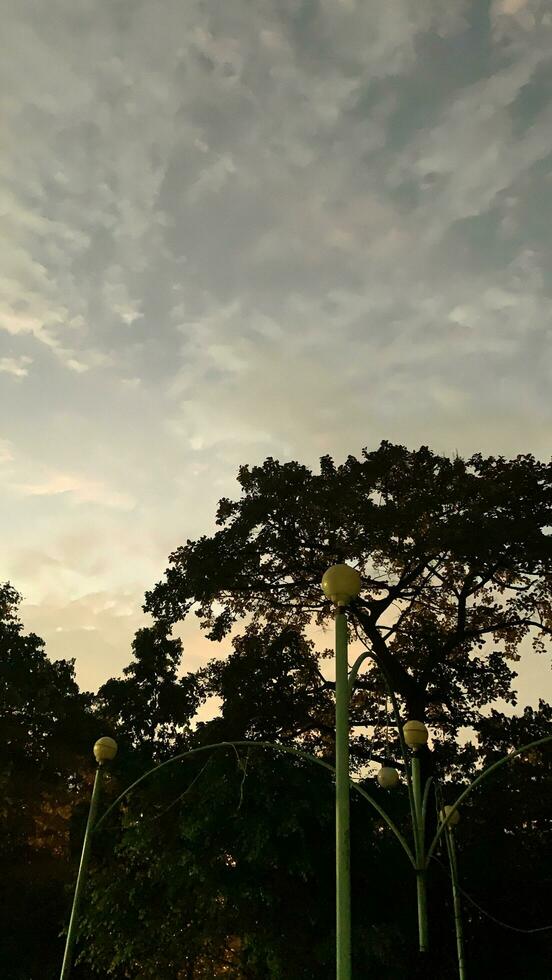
[
  {"x": 456, "y": 561},
  {"x": 150, "y": 706},
  {"x": 284, "y": 666},
  {"x": 222, "y": 865},
  {"x": 455, "y": 558},
  {"x": 46, "y": 733},
  {"x": 229, "y": 857}
]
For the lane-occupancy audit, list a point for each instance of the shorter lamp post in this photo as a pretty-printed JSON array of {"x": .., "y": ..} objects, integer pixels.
[
  {"x": 451, "y": 818},
  {"x": 105, "y": 749},
  {"x": 412, "y": 735},
  {"x": 341, "y": 583},
  {"x": 415, "y": 736}
]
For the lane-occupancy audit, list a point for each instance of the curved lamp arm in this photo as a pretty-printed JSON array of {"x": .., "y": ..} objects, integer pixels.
[
  {"x": 264, "y": 745},
  {"x": 355, "y": 669},
  {"x": 483, "y": 775}
]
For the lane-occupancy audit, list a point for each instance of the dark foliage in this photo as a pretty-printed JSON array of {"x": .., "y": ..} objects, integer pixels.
[
  {"x": 222, "y": 864},
  {"x": 46, "y": 730}
]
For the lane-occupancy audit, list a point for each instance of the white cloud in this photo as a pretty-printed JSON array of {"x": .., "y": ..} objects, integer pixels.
[
  {"x": 18, "y": 366},
  {"x": 117, "y": 297},
  {"x": 212, "y": 178},
  {"x": 96, "y": 627},
  {"x": 510, "y": 7},
  {"x": 75, "y": 365},
  {"x": 6, "y": 451},
  {"x": 464, "y": 153},
  {"x": 128, "y": 314},
  {"x": 81, "y": 489}
]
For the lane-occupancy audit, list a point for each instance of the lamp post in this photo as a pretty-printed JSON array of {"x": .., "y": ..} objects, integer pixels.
[
  {"x": 415, "y": 736},
  {"x": 105, "y": 749},
  {"x": 452, "y": 821},
  {"x": 341, "y": 583}
]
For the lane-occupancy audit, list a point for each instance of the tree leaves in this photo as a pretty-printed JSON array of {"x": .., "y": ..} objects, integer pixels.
[{"x": 451, "y": 553}]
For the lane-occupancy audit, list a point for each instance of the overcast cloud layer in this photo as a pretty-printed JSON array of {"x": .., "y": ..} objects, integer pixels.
[{"x": 235, "y": 229}]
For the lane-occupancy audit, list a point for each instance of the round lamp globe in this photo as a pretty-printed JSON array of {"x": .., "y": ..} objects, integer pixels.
[
  {"x": 387, "y": 777},
  {"x": 105, "y": 749},
  {"x": 341, "y": 583}
]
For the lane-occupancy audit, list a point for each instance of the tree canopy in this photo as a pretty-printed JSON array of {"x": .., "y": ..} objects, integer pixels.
[
  {"x": 222, "y": 864},
  {"x": 454, "y": 556}
]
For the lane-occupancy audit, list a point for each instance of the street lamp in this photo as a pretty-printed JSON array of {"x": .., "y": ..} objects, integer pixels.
[
  {"x": 387, "y": 777},
  {"x": 450, "y": 817},
  {"x": 415, "y": 736},
  {"x": 105, "y": 750},
  {"x": 447, "y": 814},
  {"x": 340, "y": 584}
]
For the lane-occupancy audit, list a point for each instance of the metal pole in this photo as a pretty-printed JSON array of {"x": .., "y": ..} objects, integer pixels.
[
  {"x": 420, "y": 858},
  {"x": 342, "y": 829},
  {"x": 81, "y": 876},
  {"x": 451, "y": 848}
]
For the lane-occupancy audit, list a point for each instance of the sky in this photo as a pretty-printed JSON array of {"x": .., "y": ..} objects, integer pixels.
[{"x": 251, "y": 228}]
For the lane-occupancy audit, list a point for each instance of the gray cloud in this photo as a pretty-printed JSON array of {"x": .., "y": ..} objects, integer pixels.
[{"x": 235, "y": 230}]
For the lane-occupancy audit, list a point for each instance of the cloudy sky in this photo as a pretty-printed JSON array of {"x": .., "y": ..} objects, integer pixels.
[{"x": 248, "y": 228}]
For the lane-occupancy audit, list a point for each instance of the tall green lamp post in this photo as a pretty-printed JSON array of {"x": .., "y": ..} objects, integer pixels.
[
  {"x": 341, "y": 583},
  {"x": 105, "y": 750}
]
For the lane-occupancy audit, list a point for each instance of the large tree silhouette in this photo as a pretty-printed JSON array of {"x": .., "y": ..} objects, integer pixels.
[{"x": 455, "y": 558}]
